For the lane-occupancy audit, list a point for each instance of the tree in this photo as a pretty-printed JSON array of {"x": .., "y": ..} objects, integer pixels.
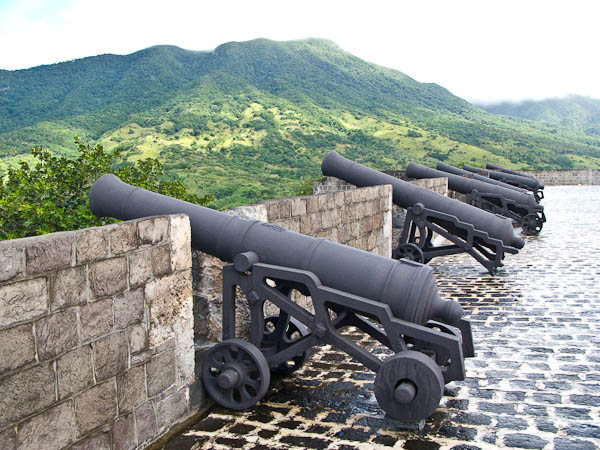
[{"x": 52, "y": 195}]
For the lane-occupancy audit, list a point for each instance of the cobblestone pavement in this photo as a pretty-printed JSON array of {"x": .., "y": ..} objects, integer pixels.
[{"x": 534, "y": 383}]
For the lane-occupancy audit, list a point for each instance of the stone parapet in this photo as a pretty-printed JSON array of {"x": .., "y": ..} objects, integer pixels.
[
  {"x": 439, "y": 185},
  {"x": 96, "y": 341}
]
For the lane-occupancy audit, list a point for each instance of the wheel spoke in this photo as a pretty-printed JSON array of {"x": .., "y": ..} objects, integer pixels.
[
  {"x": 252, "y": 383},
  {"x": 214, "y": 363},
  {"x": 245, "y": 394}
]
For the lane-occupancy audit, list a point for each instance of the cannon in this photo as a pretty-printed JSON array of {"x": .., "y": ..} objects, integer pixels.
[
  {"x": 394, "y": 302},
  {"x": 498, "y": 168},
  {"x": 488, "y": 194},
  {"x": 531, "y": 184},
  {"x": 485, "y": 236}
]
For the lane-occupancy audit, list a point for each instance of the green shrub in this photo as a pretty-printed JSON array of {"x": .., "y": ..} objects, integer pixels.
[{"x": 52, "y": 195}]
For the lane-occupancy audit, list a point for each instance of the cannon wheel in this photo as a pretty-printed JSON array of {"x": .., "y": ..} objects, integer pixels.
[
  {"x": 236, "y": 374},
  {"x": 409, "y": 386},
  {"x": 532, "y": 224},
  {"x": 410, "y": 251},
  {"x": 295, "y": 330}
]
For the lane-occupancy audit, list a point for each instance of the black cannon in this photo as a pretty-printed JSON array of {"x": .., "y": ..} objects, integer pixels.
[
  {"x": 485, "y": 236},
  {"x": 531, "y": 184},
  {"x": 498, "y": 168},
  {"x": 395, "y": 302},
  {"x": 488, "y": 194}
]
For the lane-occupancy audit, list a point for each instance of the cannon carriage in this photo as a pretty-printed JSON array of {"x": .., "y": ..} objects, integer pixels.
[
  {"x": 394, "y": 302},
  {"x": 488, "y": 194},
  {"x": 485, "y": 236}
]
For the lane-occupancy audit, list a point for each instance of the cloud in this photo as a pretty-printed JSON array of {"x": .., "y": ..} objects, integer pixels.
[{"x": 478, "y": 50}]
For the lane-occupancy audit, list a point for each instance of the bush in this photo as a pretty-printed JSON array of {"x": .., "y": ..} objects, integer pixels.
[{"x": 52, "y": 195}]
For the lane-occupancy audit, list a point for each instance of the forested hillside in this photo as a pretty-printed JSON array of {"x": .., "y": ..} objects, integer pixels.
[
  {"x": 578, "y": 113},
  {"x": 253, "y": 120}
]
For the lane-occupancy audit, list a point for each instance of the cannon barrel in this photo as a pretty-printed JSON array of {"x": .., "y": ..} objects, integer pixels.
[
  {"x": 467, "y": 185},
  {"x": 529, "y": 183},
  {"x": 463, "y": 173},
  {"x": 406, "y": 195},
  {"x": 498, "y": 168},
  {"x": 407, "y": 287}
]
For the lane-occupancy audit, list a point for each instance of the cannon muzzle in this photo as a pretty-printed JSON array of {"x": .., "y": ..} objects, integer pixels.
[
  {"x": 407, "y": 287},
  {"x": 467, "y": 185},
  {"x": 463, "y": 173},
  {"x": 516, "y": 180}
]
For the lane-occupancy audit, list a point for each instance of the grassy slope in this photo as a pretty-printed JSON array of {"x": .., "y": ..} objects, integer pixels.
[{"x": 249, "y": 120}]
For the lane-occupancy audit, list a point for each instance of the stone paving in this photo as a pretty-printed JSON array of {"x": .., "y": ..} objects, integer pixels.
[{"x": 534, "y": 383}]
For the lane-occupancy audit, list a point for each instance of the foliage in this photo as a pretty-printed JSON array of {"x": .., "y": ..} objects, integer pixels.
[
  {"x": 52, "y": 194},
  {"x": 251, "y": 120}
]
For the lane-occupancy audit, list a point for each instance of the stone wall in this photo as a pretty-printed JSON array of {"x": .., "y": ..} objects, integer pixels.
[
  {"x": 439, "y": 185},
  {"x": 566, "y": 177},
  {"x": 360, "y": 218},
  {"x": 96, "y": 342}
]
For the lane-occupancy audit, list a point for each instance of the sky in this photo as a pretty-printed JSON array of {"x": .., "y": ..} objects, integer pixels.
[{"x": 484, "y": 51}]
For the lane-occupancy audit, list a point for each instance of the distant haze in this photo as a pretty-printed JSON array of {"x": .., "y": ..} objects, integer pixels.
[{"x": 483, "y": 51}]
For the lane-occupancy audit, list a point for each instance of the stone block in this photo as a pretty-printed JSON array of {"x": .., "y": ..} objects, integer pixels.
[
  {"x": 111, "y": 356},
  {"x": 23, "y": 300},
  {"x": 74, "y": 372},
  {"x": 96, "y": 319},
  {"x": 56, "y": 334},
  {"x": 131, "y": 389},
  {"x": 8, "y": 438},
  {"x": 172, "y": 409},
  {"x": 92, "y": 244},
  {"x": 185, "y": 353},
  {"x": 123, "y": 238},
  {"x": 272, "y": 211},
  {"x": 124, "y": 433},
  {"x": 326, "y": 221},
  {"x": 161, "y": 261},
  {"x": 322, "y": 199},
  {"x": 339, "y": 199},
  {"x": 11, "y": 263},
  {"x": 181, "y": 246},
  {"x": 49, "y": 252},
  {"x": 160, "y": 373},
  {"x": 54, "y": 429},
  {"x": 298, "y": 207},
  {"x": 312, "y": 204},
  {"x": 138, "y": 338},
  {"x": 95, "y": 407},
  {"x": 129, "y": 308},
  {"x": 165, "y": 297},
  {"x": 140, "y": 268},
  {"x": 68, "y": 287},
  {"x": 348, "y": 197},
  {"x": 17, "y": 347},
  {"x": 153, "y": 231},
  {"x": 26, "y": 392},
  {"x": 285, "y": 208},
  {"x": 305, "y": 226},
  {"x": 146, "y": 422},
  {"x": 97, "y": 441},
  {"x": 108, "y": 277},
  {"x": 315, "y": 223},
  {"x": 294, "y": 225}
]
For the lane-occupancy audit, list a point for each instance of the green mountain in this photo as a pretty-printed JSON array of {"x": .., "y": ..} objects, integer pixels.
[
  {"x": 252, "y": 120},
  {"x": 576, "y": 112}
]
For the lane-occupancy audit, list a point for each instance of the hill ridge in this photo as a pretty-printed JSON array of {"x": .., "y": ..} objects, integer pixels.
[{"x": 253, "y": 118}]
